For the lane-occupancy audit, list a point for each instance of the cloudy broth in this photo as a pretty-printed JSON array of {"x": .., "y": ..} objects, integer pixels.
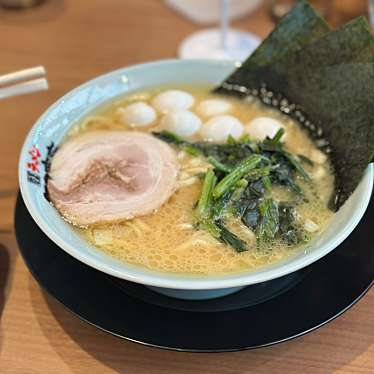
[{"x": 167, "y": 240}]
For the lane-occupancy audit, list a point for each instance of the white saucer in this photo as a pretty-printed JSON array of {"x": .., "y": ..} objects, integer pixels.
[{"x": 207, "y": 44}]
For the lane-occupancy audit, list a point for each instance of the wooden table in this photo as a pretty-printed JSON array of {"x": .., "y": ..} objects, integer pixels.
[{"x": 77, "y": 40}]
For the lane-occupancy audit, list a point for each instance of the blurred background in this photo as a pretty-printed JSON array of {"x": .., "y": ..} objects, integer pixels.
[{"x": 105, "y": 34}]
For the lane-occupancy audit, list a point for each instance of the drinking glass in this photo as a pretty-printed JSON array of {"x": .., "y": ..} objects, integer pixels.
[
  {"x": 371, "y": 12},
  {"x": 222, "y": 43}
]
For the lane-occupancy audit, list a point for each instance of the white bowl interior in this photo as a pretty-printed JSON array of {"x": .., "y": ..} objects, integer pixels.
[{"x": 52, "y": 126}]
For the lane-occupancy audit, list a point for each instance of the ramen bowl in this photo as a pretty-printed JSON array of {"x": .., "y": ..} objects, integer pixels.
[{"x": 50, "y": 129}]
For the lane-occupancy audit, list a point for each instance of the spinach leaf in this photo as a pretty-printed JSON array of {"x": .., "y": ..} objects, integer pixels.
[{"x": 268, "y": 225}]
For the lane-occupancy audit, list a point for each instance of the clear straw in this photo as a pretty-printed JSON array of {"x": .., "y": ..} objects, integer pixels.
[
  {"x": 371, "y": 12},
  {"x": 224, "y": 22}
]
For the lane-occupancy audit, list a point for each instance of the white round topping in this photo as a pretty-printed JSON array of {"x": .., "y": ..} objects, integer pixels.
[
  {"x": 218, "y": 128},
  {"x": 172, "y": 100},
  {"x": 213, "y": 107},
  {"x": 310, "y": 225},
  {"x": 262, "y": 127},
  {"x": 137, "y": 115},
  {"x": 181, "y": 122}
]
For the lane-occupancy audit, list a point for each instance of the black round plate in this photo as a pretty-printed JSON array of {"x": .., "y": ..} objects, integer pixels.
[{"x": 327, "y": 289}]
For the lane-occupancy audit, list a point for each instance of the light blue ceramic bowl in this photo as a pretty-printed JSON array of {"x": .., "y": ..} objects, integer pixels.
[{"x": 53, "y": 124}]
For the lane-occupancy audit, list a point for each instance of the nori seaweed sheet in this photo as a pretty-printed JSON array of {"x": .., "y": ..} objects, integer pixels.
[
  {"x": 331, "y": 80},
  {"x": 301, "y": 26}
]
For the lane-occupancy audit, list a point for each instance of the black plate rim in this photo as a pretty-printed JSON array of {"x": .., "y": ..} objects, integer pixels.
[{"x": 191, "y": 350}]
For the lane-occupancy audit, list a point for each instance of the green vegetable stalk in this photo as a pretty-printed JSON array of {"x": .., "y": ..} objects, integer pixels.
[
  {"x": 269, "y": 222},
  {"x": 236, "y": 174},
  {"x": 203, "y": 210}
]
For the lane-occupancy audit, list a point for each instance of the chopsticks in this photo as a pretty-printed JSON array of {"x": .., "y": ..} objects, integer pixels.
[{"x": 23, "y": 82}]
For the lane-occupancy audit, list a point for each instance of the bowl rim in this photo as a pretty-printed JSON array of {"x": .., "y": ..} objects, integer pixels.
[{"x": 170, "y": 280}]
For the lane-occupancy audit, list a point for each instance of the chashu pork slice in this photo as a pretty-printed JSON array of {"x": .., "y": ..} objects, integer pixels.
[{"x": 108, "y": 176}]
